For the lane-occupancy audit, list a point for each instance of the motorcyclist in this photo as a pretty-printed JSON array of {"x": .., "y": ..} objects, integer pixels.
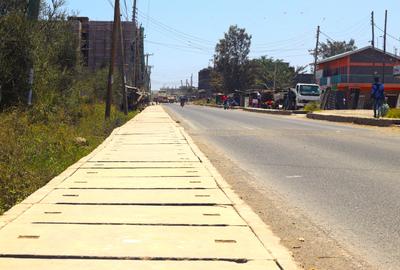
[{"x": 183, "y": 101}]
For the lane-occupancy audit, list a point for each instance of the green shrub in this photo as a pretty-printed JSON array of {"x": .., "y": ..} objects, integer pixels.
[
  {"x": 312, "y": 107},
  {"x": 33, "y": 152},
  {"x": 38, "y": 142},
  {"x": 393, "y": 113}
]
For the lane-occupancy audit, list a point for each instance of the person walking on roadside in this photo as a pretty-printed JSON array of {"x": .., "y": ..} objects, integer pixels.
[{"x": 378, "y": 96}]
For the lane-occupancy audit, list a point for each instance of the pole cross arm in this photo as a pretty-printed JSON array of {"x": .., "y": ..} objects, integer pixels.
[{"x": 132, "y": 88}]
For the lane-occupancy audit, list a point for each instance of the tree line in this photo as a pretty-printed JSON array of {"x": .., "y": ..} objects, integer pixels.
[
  {"x": 50, "y": 47},
  {"x": 234, "y": 70}
]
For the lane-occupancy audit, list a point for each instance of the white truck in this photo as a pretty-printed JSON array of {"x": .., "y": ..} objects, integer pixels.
[{"x": 303, "y": 94}]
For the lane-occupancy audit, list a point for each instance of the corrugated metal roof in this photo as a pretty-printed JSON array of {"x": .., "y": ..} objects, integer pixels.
[{"x": 342, "y": 55}]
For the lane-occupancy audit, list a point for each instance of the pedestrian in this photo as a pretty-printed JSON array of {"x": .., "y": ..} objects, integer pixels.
[
  {"x": 378, "y": 97},
  {"x": 226, "y": 104}
]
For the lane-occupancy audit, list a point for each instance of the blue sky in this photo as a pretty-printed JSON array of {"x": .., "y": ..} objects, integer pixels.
[{"x": 182, "y": 33}]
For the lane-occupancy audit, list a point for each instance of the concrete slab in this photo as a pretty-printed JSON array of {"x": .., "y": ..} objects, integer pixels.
[
  {"x": 141, "y": 172},
  {"x": 155, "y": 144},
  {"x": 157, "y": 148},
  {"x": 25, "y": 264},
  {"x": 186, "y": 165},
  {"x": 148, "y": 130},
  {"x": 132, "y": 242},
  {"x": 208, "y": 196},
  {"x": 123, "y": 210},
  {"x": 150, "y": 141},
  {"x": 138, "y": 183},
  {"x": 144, "y": 158},
  {"x": 129, "y": 214}
]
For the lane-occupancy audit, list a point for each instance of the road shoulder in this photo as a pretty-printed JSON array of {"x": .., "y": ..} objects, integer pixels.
[{"x": 311, "y": 247}]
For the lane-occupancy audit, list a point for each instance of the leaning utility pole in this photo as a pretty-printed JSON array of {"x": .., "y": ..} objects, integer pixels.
[
  {"x": 147, "y": 71},
  {"x": 384, "y": 48},
  {"x": 135, "y": 47},
  {"x": 33, "y": 9},
  {"x": 316, "y": 54},
  {"x": 122, "y": 66},
  {"x": 33, "y": 14},
  {"x": 112, "y": 61},
  {"x": 275, "y": 73},
  {"x": 373, "y": 29}
]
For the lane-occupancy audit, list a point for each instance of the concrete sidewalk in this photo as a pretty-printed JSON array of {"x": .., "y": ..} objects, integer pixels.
[
  {"x": 361, "y": 117},
  {"x": 146, "y": 199}
]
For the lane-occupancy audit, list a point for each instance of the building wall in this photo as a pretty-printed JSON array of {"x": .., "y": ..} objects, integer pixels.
[
  {"x": 205, "y": 79},
  {"x": 95, "y": 42},
  {"x": 100, "y": 42},
  {"x": 351, "y": 78}
]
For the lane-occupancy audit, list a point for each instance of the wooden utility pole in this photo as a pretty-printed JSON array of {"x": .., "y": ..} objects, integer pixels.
[
  {"x": 384, "y": 48},
  {"x": 140, "y": 57},
  {"x": 275, "y": 73},
  {"x": 373, "y": 29},
  {"x": 135, "y": 44},
  {"x": 33, "y": 14},
  {"x": 316, "y": 54},
  {"x": 112, "y": 61},
  {"x": 148, "y": 71},
  {"x": 33, "y": 9},
  {"x": 122, "y": 67}
]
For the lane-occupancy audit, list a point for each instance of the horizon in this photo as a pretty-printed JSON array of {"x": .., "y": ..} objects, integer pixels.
[{"x": 191, "y": 30}]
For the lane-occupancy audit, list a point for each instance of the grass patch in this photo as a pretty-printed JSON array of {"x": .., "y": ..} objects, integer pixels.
[
  {"x": 203, "y": 102},
  {"x": 312, "y": 107},
  {"x": 33, "y": 152},
  {"x": 393, "y": 113}
]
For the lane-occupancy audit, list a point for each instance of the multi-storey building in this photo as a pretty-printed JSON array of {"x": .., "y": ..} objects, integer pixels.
[{"x": 95, "y": 41}]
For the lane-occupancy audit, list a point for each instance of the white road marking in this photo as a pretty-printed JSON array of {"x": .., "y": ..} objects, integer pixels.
[{"x": 294, "y": 176}]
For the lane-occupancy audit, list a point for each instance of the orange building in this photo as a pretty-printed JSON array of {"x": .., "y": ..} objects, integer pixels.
[{"x": 347, "y": 78}]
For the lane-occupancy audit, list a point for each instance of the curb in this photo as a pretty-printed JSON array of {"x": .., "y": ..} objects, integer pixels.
[
  {"x": 354, "y": 120},
  {"x": 275, "y": 112},
  {"x": 220, "y": 106},
  {"x": 267, "y": 111}
]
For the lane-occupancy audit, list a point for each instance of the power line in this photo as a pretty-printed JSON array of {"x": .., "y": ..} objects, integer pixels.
[
  {"x": 280, "y": 50},
  {"x": 301, "y": 37},
  {"x": 389, "y": 35},
  {"x": 111, "y": 3},
  {"x": 173, "y": 30},
  {"x": 125, "y": 11},
  {"x": 187, "y": 42},
  {"x": 180, "y": 47},
  {"x": 328, "y": 37},
  {"x": 148, "y": 12}
]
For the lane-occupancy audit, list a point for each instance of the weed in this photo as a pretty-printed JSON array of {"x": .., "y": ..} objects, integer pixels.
[
  {"x": 33, "y": 152},
  {"x": 393, "y": 113},
  {"x": 312, "y": 107}
]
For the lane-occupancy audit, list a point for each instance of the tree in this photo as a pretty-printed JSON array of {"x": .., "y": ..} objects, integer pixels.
[
  {"x": 49, "y": 45},
  {"x": 268, "y": 72},
  {"x": 231, "y": 59},
  {"x": 332, "y": 48},
  {"x": 7, "y": 6}
]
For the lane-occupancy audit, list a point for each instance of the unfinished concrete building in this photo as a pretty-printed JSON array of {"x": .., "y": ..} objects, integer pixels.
[{"x": 95, "y": 41}]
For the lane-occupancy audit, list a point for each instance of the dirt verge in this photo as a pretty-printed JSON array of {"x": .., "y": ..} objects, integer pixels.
[{"x": 312, "y": 247}]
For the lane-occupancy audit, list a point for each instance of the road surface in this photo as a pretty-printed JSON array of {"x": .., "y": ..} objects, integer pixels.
[{"x": 347, "y": 178}]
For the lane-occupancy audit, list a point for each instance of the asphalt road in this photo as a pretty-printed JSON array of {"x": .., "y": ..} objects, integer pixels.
[{"x": 347, "y": 178}]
